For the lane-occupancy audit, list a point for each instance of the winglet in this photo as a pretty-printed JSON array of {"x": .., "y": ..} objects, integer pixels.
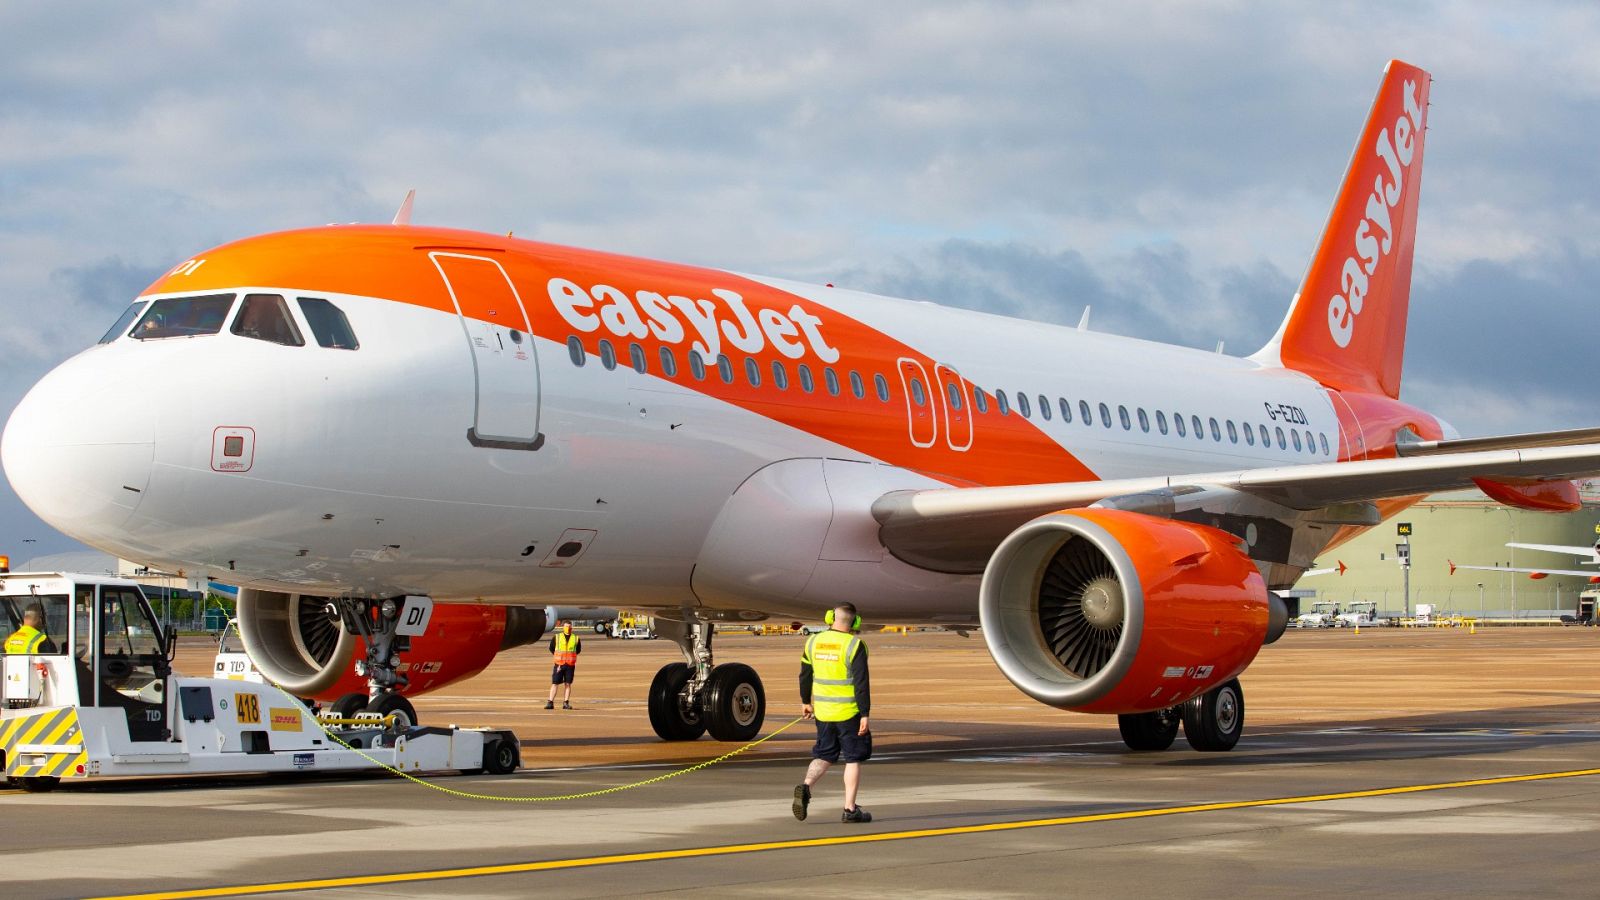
[
  {"x": 1342, "y": 566},
  {"x": 1452, "y": 566},
  {"x": 1347, "y": 324},
  {"x": 403, "y": 216}
]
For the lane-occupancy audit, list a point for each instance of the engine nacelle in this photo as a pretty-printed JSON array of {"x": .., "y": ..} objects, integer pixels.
[
  {"x": 1107, "y": 611},
  {"x": 294, "y": 642}
]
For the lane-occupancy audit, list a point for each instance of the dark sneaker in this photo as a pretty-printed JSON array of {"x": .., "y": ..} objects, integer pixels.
[
  {"x": 856, "y": 815},
  {"x": 566, "y": 706},
  {"x": 549, "y": 704},
  {"x": 802, "y": 799}
]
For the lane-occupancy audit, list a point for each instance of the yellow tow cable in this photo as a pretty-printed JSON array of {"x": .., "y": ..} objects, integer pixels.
[{"x": 470, "y": 795}]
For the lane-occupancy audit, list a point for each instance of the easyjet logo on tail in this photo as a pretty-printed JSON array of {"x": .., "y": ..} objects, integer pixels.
[
  {"x": 1374, "y": 234},
  {"x": 672, "y": 319}
]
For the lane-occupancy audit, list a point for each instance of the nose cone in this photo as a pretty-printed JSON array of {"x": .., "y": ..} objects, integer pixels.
[{"x": 79, "y": 447}]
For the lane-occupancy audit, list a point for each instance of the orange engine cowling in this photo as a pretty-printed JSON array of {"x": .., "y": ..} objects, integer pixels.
[
  {"x": 1108, "y": 611},
  {"x": 293, "y": 641}
]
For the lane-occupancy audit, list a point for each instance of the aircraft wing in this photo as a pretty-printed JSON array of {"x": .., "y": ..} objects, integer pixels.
[
  {"x": 956, "y": 529},
  {"x": 1559, "y": 548},
  {"x": 1589, "y": 574}
]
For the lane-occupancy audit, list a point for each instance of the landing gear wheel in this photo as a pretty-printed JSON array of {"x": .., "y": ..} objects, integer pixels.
[
  {"x": 1213, "y": 721},
  {"x": 38, "y": 784},
  {"x": 405, "y": 715},
  {"x": 672, "y": 719},
  {"x": 1150, "y": 731},
  {"x": 734, "y": 703},
  {"x": 347, "y": 706}
]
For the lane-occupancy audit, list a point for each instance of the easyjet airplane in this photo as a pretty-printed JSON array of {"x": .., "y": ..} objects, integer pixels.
[{"x": 358, "y": 422}]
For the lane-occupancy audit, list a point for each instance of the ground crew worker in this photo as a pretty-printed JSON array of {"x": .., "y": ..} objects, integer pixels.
[
  {"x": 30, "y": 637},
  {"x": 834, "y": 689},
  {"x": 565, "y": 647}
]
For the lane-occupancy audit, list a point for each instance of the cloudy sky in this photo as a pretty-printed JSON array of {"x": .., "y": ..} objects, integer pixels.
[{"x": 1170, "y": 164}]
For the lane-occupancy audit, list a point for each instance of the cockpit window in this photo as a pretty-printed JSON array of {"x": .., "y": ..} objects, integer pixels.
[
  {"x": 328, "y": 324},
  {"x": 265, "y": 317},
  {"x": 184, "y": 317},
  {"x": 123, "y": 321}
]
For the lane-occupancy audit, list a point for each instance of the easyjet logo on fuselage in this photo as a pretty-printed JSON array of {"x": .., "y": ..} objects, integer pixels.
[
  {"x": 1371, "y": 248},
  {"x": 673, "y": 318}
]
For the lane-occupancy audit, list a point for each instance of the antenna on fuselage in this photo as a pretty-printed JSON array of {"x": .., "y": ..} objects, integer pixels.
[
  {"x": 403, "y": 216},
  {"x": 1219, "y": 346},
  {"x": 1083, "y": 322}
]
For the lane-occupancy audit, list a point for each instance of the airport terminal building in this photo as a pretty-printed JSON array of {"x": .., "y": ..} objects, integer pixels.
[{"x": 1468, "y": 529}]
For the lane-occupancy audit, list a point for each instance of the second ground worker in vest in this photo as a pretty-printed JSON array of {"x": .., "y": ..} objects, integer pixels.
[
  {"x": 565, "y": 646},
  {"x": 834, "y": 688}
]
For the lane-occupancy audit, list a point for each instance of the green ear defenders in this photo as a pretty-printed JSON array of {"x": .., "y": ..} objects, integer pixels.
[{"x": 854, "y": 626}]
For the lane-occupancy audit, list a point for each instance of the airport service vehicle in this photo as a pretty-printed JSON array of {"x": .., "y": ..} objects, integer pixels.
[
  {"x": 1323, "y": 614},
  {"x": 1357, "y": 613},
  {"x": 99, "y": 699},
  {"x": 1423, "y": 615},
  {"x": 415, "y": 412}
]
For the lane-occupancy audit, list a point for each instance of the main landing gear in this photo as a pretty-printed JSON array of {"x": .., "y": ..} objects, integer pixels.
[
  {"x": 376, "y": 623},
  {"x": 1212, "y": 722},
  {"x": 692, "y": 698}
]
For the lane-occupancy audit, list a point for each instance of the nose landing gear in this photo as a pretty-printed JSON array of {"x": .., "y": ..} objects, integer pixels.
[
  {"x": 377, "y": 623},
  {"x": 689, "y": 699}
]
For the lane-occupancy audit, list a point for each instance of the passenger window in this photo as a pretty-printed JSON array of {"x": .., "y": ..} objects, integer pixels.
[
  {"x": 1249, "y": 434},
  {"x": 1144, "y": 421},
  {"x": 575, "y": 351},
  {"x": 328, "y": 324},
  {"x": 608, "y": 355},
  {"x": 669, "y": 362},
  {"x": 780, "y": 376},
  {"x": 1177, "y": 421},
  {"x": 979, "y": 400},
  {"x": 831, "y": 379},
  {"x": 955, "y": 396},
  {"x": 1084, "y": 415},
  {"x": 1282, "y": 443},
  {"x": 1266, "y": 439},
  {"x": 1233, "y": 433},
  {"x": 1311, "y": 443},
  {"x": 636, "y": 354},
  {"x": 1023, "y": 406},
  {"x": 1161, "y": 421},
  {"x": 882, "y": 384},
  {"x": 124, "y": 321},
  {"x": 1122, "y": 413},
  {"x": 1105, "y": 415},
  {"x": 856, "y": 386},
  {"x": 1216, "y": 433},
  {"x": 752, "y": 371},
  {"x": 1296, "y": 435},
  {"x": 1002, "y": 403},
  {"x": 1322, "y": 439},
  {"x": 184, "y": 317},
  {"x": 697, "y": 366},
  {"x": 265, "y": 317},
  {"x": 1044, "y": 407},
  {"x": 1199, "y": 430},
  {"x": 725, "y": 368},
  {"x": 1066, "y": 410},
  {"x": 808, "y": 385}
]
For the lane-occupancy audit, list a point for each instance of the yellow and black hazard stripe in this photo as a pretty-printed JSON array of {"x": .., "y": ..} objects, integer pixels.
[{"x": 44, "y": 743}]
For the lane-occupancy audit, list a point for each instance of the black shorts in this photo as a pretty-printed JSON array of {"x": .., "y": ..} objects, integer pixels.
[
  {"x": 839, "y": 740},
  {"x": 562, "y": 674}
]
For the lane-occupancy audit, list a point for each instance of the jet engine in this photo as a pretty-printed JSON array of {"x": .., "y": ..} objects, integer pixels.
[
  {"x": 295, "y": 642},
  {"x": 1109, "y": 611}
]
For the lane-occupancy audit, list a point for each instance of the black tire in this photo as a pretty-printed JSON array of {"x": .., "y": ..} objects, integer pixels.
[
  {"x": 39, "y": 784},
  {"x": 500, "y": 757},
  {"x": 1150, "y": 731},
  {"x": 734, "y": 703},
  {"x": 671, "y": 719},
  {"x": 398, "y": 706},
  {"x": 1213, "y": 721},
  {"x": 347, "y": 706},
  {"x": 600, "y": 628}
]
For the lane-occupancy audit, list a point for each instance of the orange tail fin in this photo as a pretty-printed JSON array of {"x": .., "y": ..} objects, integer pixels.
[{"x": 1347, "y": 325}]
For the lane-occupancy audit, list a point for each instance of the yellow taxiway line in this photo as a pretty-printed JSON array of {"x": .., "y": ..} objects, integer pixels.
[{"x": 835, "y": 841}]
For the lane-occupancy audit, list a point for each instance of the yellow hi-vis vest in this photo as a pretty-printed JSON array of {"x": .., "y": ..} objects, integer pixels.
[
  {"x": 833, "y": 692},
  {"x": 25, "y": 640},
  {"x": 566, "y": 649}
]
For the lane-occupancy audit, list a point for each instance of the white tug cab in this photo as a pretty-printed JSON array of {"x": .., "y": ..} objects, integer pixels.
[{"x": 98, "y": 698}]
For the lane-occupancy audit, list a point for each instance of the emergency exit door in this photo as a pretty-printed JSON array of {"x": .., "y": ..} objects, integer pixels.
[{"x": 500, "y": 339}]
